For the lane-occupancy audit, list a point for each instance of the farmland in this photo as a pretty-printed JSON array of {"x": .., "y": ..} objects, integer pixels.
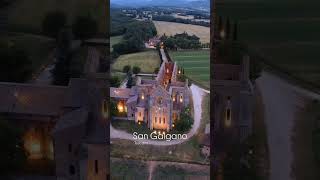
[
  {"x": 146, "y": 60},
  {"x": 196, "y": 64},
  {"x": 37, "y": 47},
  {"x": 287, "y": 40},
  {"x": 171, "y": 28}
]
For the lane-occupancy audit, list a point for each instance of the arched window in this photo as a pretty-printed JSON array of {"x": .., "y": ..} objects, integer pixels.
[{"x": 181, "y": 98}]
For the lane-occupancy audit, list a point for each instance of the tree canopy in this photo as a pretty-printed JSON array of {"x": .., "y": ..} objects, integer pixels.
[
  {"x": 182, "y": 41},
  {"x": 12, "y": 153},
  {"x": 53, "y": 22},
  {"x": 85, "y": 27}
]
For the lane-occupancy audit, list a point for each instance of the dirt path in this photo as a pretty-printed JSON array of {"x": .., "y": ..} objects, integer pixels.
[
  {"x": 197, "y": 96},
  {"x": 282, "y": 100}
]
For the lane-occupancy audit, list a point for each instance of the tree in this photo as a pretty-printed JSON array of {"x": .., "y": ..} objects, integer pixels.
[
  {"x": 228, "y": 30},
  {"x": 235, "y": 32},
  {"x": 170, "y": 43},
  {"x": 220, "y": 24},
  {"x": 130, "y": 81},
  {"x": 61, "y": 72},
  {"x": 126, "y": 69},
  {"x": 115, "y": 81},
  {"x": 185, "y": 121},
  {"x": 136, "y": 70},
  {"x": 12, "y": 152},
  {"x": 15, "y": 64},
  {"x": 53, "y": 23},
  {"x": 84, "y": 27}
]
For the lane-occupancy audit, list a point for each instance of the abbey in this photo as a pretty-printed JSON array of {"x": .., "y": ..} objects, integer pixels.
[
  {"x": 63, "y": 125},
  {"x": 157, "y": 102}
]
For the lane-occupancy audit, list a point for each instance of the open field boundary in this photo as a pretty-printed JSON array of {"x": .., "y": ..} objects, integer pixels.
[{"x": 284, "y": 73}]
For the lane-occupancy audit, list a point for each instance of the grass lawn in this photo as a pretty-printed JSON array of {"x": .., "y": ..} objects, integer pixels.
[
  {"x": 27, "y": 15},
  {"x": 130, "y": 126},
  {"x": 146, "y": 60},
  {"x": 128, "y": 169},
  {"x": 305, "y": 145},
  {"x": 114, "y": 40},
  {"x": 196, "y": 64},
  {"x": 178, "y": 173},
  {"x": 38, "y": 47},
  {"x": 186, "y": 152},
  {"x": 121, "y": 75},
  {"x": 285, "y": 38}
]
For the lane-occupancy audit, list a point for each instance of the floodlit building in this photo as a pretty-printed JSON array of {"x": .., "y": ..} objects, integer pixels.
[
  {"x": 233, "y": 103},
  {"x": 65, "y": 125},
  {"x": 157, "y": 102}
]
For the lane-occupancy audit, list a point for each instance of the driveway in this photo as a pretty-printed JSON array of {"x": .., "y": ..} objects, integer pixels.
[
  {"x": 163, "y": 55},
  {"x": 197, "y": 96},
  {"x": 282, "y": 101}
]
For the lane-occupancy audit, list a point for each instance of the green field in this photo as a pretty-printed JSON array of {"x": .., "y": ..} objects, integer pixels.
[
  {"x": 146, "y": 60},
  {"x": 37, "y": 47},
  {"x": 128, "y": 169},
  {"x": 114, "y": 40},
  {"x": 196, "y": 64},
  {"x": 27, "y": 15},
  {"x": 285, "y": 34}
]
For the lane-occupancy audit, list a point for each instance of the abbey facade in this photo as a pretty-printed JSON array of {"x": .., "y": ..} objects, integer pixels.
[{"x": 156, "y": 102}]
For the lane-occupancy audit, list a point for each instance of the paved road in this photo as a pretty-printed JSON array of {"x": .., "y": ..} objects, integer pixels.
[
  {"x": 45, "y": 77},
  {"x": 163, "y": 54},
  {"x": 197, "y": 96},
  {"x": 281, "y": 100}
]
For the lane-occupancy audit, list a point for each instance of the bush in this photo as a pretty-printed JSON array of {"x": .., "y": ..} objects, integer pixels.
[
  {"x": 136, "y": 70},
  {"x": 115, "y": 81},
  {"x": 185, "y": 121},
  {"x": 84, "y": 27},
  {"x": 53, "y": 23},
  {"x": 126, "y": 68}
]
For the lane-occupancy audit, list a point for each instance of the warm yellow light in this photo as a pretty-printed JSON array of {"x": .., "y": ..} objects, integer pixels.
[
  {"x": 179, "y": 72},
  {"x": 34, "y": 147},
  {"x": 173, "y": 99},
  {"x": 167, "y": 70},
  {"x": 173, "y": 125},
  {"x": 139, "y": 122},
  {"x": 181, "y": 100},
  {"x": 222, "y": 34},
  {"x": 120, "y": 107},
  {"x": 142, "y": 97}
]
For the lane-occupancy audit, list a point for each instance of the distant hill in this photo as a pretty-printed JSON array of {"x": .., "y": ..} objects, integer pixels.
[
  {"x": 196, "y": 4},
  {"x": 27, "y": 15}
]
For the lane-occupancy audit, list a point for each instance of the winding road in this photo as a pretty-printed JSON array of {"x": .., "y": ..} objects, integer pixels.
[
  {"x": 197, "y": 97},
  {"x": 282, "y": 101}
]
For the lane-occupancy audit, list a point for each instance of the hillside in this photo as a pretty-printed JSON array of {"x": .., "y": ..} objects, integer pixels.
[{"x": 27, "y": 15}]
